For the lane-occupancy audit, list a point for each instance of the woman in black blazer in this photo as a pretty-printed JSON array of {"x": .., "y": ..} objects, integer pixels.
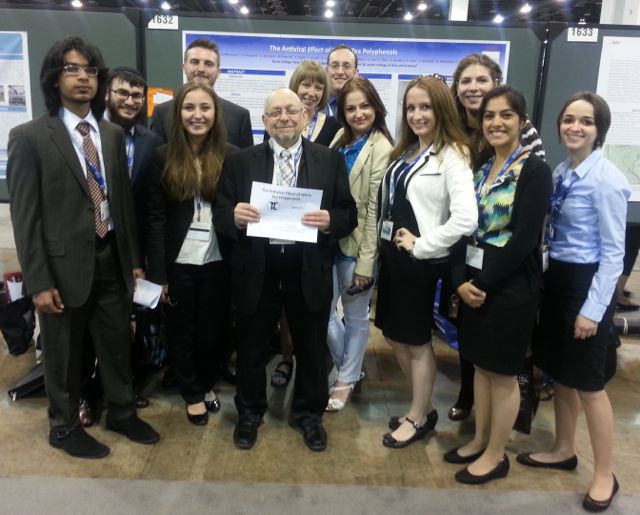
[{"x": 185, "y": 255}]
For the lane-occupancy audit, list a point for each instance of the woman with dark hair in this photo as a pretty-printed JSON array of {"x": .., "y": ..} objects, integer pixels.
[
  {"x": 585, "y": 234},
  {"x": 185, "y": 256},
  {"x": 474, "y": 77},
  {"x": 310, "y": 82},
  {"x": 426, "y": 205},
  {"x": 366, "y": 144},
  {"x": 498, "y": 275}
]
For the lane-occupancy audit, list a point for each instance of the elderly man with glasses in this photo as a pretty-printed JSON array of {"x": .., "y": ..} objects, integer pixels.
[{"x": 269, "y": 274}]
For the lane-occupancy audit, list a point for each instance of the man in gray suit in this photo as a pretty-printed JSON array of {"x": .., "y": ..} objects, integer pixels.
[
  {"x": 202, "y": 64},
  {"x": 74, "y": 228}
]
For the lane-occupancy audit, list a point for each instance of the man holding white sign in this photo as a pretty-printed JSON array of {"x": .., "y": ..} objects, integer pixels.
[{"x": 269, "y": 273}]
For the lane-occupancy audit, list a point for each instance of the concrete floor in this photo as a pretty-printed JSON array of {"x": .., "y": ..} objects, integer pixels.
[{"x": 192, "y": 466}]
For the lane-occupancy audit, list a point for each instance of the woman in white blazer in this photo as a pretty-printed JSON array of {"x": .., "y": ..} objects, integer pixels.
[
  {"x": 427, "y": 203},
  {"x": 365, "y": 143}
]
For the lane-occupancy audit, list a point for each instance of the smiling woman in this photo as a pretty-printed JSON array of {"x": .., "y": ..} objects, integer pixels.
[{"x": 185, "y": 254}]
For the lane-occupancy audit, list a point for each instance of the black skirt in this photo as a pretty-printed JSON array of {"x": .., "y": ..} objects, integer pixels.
[
  {"x": 497, "y": 335},
  {"x": 582, "y": 364},
  {"x": 406, "y": 290}
]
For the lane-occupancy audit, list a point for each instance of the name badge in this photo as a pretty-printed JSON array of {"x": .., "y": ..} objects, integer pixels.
[
  {"x": 387, "y": 230},
  {"x": 475, "y": 256},
  {"x": 105, "y": 213},
  {"x": 545, "y": 260},
  {"x": 199, "y": 231}
]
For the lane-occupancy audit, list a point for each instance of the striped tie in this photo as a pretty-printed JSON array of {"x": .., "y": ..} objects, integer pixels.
[
  {"x": 286, "y": 170},
  {"x": 97, "y": 195}
]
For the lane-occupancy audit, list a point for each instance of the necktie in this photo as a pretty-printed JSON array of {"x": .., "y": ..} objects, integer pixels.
[
  {"x": 286, "y": 170},
  {"x": 97, "y": 195}
]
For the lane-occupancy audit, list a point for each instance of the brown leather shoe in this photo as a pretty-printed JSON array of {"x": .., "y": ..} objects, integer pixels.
[{"x": 86, "y": 414}]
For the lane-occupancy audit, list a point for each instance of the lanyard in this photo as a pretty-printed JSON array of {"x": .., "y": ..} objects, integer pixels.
[
  {"x": 97, "y": 175},
  {"x": 560, "y": 194},
  {"x": 198, "y": 204},
  {"x": 312, "y": 126},
  {"x": 129, "y": 150},
  {"x": 401, "y": 171},
  {"x": 514, "y": 155},
  {"x": 355, "y": 142}
]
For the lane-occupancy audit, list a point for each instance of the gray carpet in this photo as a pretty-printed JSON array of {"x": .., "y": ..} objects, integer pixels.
[{"x": 67, "y": 496}]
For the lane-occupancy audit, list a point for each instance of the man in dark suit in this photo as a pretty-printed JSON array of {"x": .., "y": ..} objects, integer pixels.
[
  {"x": 75, "y": 234},
  {"x": 268, "y": 275},
  {"x": 202, "y": 64},
  {"x": 342, "y": 65}
]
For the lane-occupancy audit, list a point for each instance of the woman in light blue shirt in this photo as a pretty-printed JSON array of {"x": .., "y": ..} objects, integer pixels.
[{"x": 585, "y": 235}]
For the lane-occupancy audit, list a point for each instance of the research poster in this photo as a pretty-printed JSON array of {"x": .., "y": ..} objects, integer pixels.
[
  {"x": 15, "y": 91},
  {"x": 619, "y": 84},
  {"x": 253, "y": 65}
]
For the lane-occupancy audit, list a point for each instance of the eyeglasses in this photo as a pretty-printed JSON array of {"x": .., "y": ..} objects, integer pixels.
[
  {"x": 123, "y": 94},
  {"x": 277, "y": 113},
  {"x": 75, "y": 69},
  {"x": 345, "y": 66}
]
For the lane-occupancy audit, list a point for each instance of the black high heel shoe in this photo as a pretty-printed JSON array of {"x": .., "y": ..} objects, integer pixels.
[
  {"x": 199, "y": 420},
  {"x": 421, "y": 431},
  {"x": 432, "y": 420}
]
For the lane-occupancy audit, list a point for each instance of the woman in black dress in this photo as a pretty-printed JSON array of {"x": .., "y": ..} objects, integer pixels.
[{"x": 497, "y": 274}]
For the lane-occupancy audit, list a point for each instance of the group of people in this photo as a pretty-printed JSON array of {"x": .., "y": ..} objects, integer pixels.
[{"x": 463, "y": 196}]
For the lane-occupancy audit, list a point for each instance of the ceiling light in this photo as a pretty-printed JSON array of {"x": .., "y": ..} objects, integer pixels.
[
  {"x": 498, "y": 19},
  {"x": 165, "y": 6},
  {"x": 422, "y": 6},
  {"x": 328, "y": 13},
  {"x": 244, "y": 9},
  {"x": 408, "y": 17},
  {"x": 525, "y": 9},
  {"x": 330, "y": 3},
  {"x": 76, "y": 3},
  {"x": 233, "y": 2}
]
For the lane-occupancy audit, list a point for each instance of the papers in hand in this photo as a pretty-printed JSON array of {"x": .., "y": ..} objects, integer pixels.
[
  {"x": 281, "y": 209},
  {"x": 147, "y": 293}
]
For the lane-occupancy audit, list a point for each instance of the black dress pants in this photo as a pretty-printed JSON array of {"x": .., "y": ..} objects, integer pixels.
[
  {"x": 197, "y": 324},
  {"x": 281, "y": 288},
  {"x": 106, "y": 316}
]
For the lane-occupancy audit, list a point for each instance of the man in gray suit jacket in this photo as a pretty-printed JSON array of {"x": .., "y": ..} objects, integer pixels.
[
  {"x": 202, "y": 64},
  {"x": 74, "y": 228}
]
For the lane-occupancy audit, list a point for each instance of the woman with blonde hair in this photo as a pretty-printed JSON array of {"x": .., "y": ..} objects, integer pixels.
[
  {"x": 184, "y": 253},
  {"x": 427, "y": 203}
]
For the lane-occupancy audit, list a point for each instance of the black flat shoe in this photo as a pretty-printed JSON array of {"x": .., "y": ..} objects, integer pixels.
[
  {"x": 199, "y": 420},
  {"x": 568, "y": 464},
  {"x": 457, "y": 414},
  {"x": 213, "y": 406},
  {"x": 134, "y": 428},
  {"x": 453, "y": 457},
  {"x": 499, "y": 471},
  {"x": 421, "y": 431},
  {"x": 590, "y": 504},
  {"x": 77, "y": 443},
  {"x": 314, "y": 436},
  {"x": 432, "y": 420}
]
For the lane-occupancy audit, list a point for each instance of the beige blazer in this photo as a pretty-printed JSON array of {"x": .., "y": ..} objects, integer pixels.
[{"x": 364, "y": 181}]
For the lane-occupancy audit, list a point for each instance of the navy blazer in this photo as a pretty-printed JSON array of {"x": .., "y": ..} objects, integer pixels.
[{"x": 320, "y": 168}]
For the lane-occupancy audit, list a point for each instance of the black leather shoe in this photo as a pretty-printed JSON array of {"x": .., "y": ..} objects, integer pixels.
[
  {"x": 213, "y": 406},
  {"x": 86, "y": 414},
  {"x": 314, "y": 436},
  {"x": 245, "y": 434},
  {"x": 421, "y": 431},
  {"x": 499, "y": 471},
  {"x": 568, "y": 464},
  {"x": 134, "y": 428},
  {"x": 77, "y": 443},
  {"x": 227, "y": 372},
  {"x": 457, "y": 414},
  {"x": 453, "y": 457},
  {"x": 199, "y": 420},
  {"x": 432, "y": 420},
  {"x": 590, "y": 504},
  {"x": 141, "y": 401}
]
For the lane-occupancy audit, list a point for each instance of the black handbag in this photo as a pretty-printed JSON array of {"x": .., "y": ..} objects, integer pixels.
[
  {"x": 17, "y": 324},
  {"x": 150, "y": 339},
  {"x": 529, "y": 398}
]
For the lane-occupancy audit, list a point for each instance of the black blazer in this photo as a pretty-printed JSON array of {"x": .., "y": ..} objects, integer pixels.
[
  {"x": 52, "y": 211},
  {"x": 236, "y": 120},
  {"x": 320, "y": 168},
  {"x": 144, "y": 145},
  {"x": 167, "y": 222}
]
